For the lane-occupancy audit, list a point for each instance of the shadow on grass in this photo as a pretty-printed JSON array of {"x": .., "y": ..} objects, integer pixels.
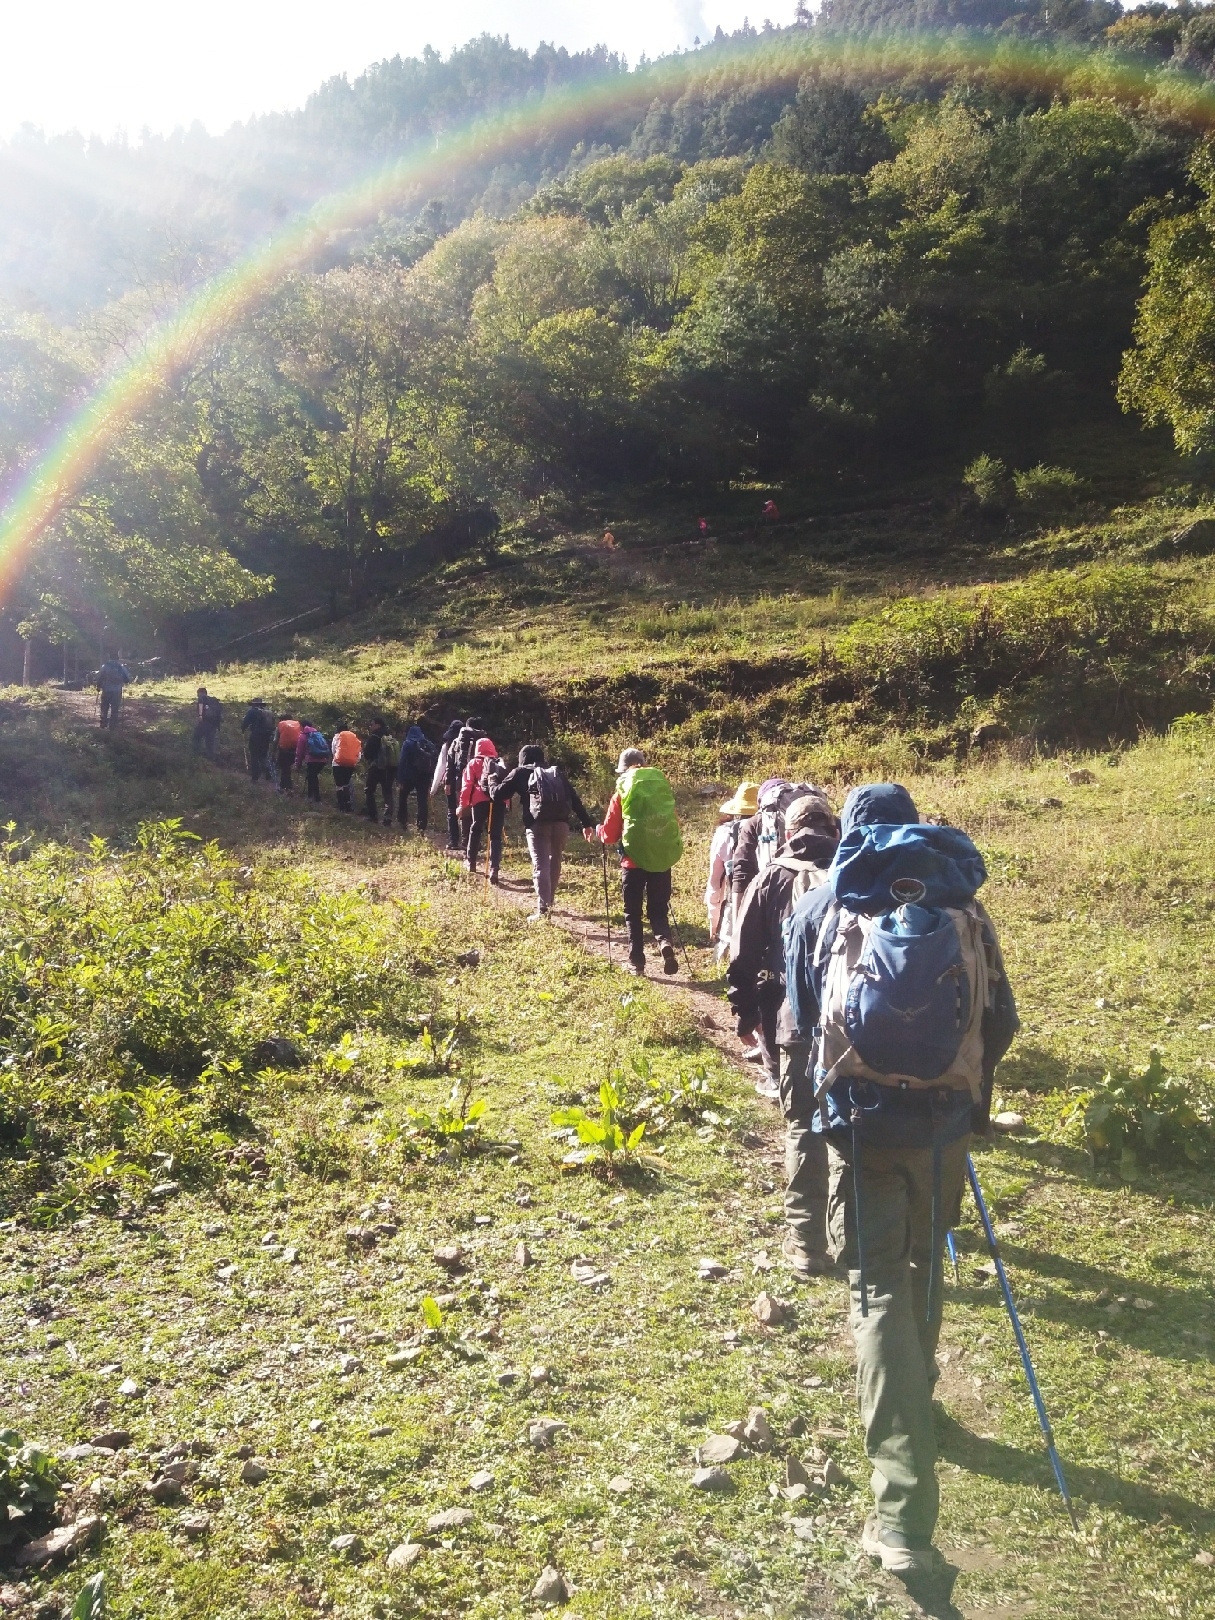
[{"x": 1013, "y": 1466}]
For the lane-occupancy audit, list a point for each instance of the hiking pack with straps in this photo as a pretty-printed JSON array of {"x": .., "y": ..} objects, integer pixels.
[
  {"x": 315, "y": 747},
  {"x": 420, "y": 754},
  {"x": 213, "y": 710},
  {"x": 908, "y": 964},
  {"x": 807, "y": 875},
  {"x": 651, "y": 838},
  {"x": 390, "y": 753},
  {"x": 548, "y": 794},
  {"x": 459, "y": 754}
]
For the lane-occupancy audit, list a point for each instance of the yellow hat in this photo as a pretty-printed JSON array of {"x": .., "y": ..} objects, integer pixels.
[{"x": 745, "y": 801}]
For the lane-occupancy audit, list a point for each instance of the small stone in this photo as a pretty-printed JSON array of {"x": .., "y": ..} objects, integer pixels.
[
  {"x": 290, "y": 1256},
  {"x": 986, "y": 1271},
  {"x": 588, "y": 1274},
  {"x": 540, "y": 1375},
  {"x": 794, "y": 1493},
  {"x": 110, "y": 1370},
  {"x": 803, "y": 1529},
  {"x": 165, "y": 1189},
  {"x": 225, "y": 1273},
  {"x": 165, "y": 1489},
  {"x": 254, "y": 1471},
  {"x": 796, "y": 1427},
  {"x": 214, "y": 1229},
  {"x": 757, "y": 1431},
  {"x": 450, "y": 1519},
  {"x": 316, "y": 1425},
  {"x": 621, "y": 1485},
  {"x": 403, "y": 1358},
  {"x": 347, "y": 1546},
  {"x": 469, "y": 959},
  {"x": 769, "y": 1312},
  {"x": 762, "y": 1262},
  {"x": 523, "y": 1255},
  {"x": 551, "y": 1588},
  {"x": 405, "y": 1556},
  {"x": 113, "y": 1439},
  {"x": 380, "y": 1432},
  {"x": 712, "y": 1479},
  {"x": 1008, "y": 1122},
  {"x": 130, "y": 1389},
  {"x": 1205, "y": 1558},
  {"x": 734, "y": 1428},
  {"x": 78, "y": 1453},
  {"x": 1051, "y": 803},
  {"x": 832, "y": 1474},
  {"x": 348, "y": 1365},
  {"x": 719, "y": 1448},
  {"x": 795, "y": 1471},
  {"x": 509, "y": 1377},
  {"x": 481, "y": 1480},
  {"x": 63, "y": 1542},
  {"x": 1143, "y": 1305},
  {"x": 541, "y": 1432},
  {"x": 711, "y": 1270},
  {"x": 1080, "y": 778},
  {"x": 194, "y": 1523},
  {"x": 450, "y": 1256}
]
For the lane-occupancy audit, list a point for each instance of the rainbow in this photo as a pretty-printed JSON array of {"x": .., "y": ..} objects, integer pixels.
[{"x": 57, "y": 473}]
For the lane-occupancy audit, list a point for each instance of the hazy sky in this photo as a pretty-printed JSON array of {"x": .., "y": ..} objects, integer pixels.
[{"x": 99, "y": 66}]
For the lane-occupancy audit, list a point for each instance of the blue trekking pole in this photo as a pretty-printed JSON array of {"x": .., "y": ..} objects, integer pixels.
[
  {"x": 993, "y": 1249},
  {"x": 953, "y": 1253}
]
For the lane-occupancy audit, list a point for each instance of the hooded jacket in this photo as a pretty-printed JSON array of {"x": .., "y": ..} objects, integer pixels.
[
  {"x": 413, "y": 767},
  {"x": 472, "y": 791},
  {"x": 439, "y": 779}
]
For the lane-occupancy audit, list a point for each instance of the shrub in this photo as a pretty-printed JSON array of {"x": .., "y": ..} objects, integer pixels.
[
  {"x": 29, "y": 1487},
  {"x": 1048, "y": 491},
  {"x": 987, "y": 480},
  {"x": 1132, "y": 1117}
]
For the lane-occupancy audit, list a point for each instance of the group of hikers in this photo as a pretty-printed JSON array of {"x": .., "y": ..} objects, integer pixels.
[{"x": 865, "y": 979}]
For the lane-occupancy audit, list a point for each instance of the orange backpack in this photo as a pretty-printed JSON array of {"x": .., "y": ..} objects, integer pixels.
[{"x": 347, "y": 749}]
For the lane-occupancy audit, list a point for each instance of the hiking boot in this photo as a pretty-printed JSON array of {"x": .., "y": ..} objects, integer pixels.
[
  {"x": 670, "y": 962},
  {"x": 768, "y": 1087},
  {"x": 494, "y": 879},
  {"x": 753, "y": 1054},
  {"x": 804, "y": 1262},
  {"x": 536, "y": 916},
  {"x": 897, "y": 1552},
  {"x": 637, "y": 969}
]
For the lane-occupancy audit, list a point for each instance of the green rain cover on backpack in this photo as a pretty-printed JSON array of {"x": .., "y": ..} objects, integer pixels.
[{"x": 651, "y": 837}]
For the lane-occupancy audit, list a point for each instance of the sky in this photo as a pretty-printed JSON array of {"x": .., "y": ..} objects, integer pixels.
[{"x": 102, "y": 67}]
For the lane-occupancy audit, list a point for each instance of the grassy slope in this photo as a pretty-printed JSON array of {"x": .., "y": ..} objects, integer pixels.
[{"x": 1108, "y": 898}]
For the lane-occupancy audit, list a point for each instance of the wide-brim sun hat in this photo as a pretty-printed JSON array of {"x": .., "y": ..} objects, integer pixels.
[{"x": 745, "y": 801}]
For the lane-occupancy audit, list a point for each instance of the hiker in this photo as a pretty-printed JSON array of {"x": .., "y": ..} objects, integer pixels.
[
  {"x": 312, "y": 752},
  {"x": 346, "y": 751},
  {"x": 762, "y": 834},
  {"x": 702, "y": 528},
  {"x": 641, "y": 819},
  {"x": 415, "y": 770},
  {"x": 286, "y": 738},
  {"x": 756, "y": 980},
  {"x": 439, "y": 783},
  {"x": 771, "y": 512},
  {"x": 547, "y": 800},
  {"x": 901, "y": 1010},
  {"x": 209, "y": 718},
  {"x": 258, "y": 723},
  {"x": 479, "y": 779},
  {"x": 719, "y": 901},
  {"x": 380, "y": 754},
  {"x": 111, "y": 678},
  {"x": 459, "y": 753}
]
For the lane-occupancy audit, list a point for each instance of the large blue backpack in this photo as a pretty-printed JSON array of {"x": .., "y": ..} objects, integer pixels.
[{"x": 908, "y": 963}]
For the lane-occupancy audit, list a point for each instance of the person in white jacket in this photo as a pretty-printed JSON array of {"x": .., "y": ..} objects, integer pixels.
[
  {"x": 718, "y": 889},
  {"x": 438, "y": 784}
]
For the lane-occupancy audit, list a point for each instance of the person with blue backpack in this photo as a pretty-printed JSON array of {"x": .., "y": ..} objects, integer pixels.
[
  {"x": 415, "y": 766},
  {"x": 312, "y": 754},
  {"x": 900, "y": 1010}
]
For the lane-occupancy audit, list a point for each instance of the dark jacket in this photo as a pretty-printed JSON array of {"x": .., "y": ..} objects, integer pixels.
[
  {"x": 520, "y": 781},
  {"x": 417, "y": 759},
  {"x": 756, "y": 973},
  {"x": 258, "y": 722},
  {"x": 459, "y": 753},
  {"x": 744, "y": 866}
]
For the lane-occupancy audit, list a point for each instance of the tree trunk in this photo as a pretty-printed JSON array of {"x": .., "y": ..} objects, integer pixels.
[{"x": 25, "y": 663}]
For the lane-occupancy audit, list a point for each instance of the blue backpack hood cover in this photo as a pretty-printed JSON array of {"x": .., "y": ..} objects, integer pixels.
[
  {"x": 879, "y": 866},
  {"x": 885, "y": 802}
]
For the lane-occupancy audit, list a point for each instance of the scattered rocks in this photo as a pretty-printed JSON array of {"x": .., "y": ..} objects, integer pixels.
[
  {"x": 349, "y": 1365},
  {"x": 803, "y": 1529},
  {"x": 130, "y": 1390},
  {"x": 1143, "y": 1305},
  {"x": 540, "y": 1375},
  {"x": 589, "y": 1274},
  {"x": 349, "y": 1547},
  {"x": 523, "y": 1255},
  {"x": 226, "y": 1273},
  {"x": 620, "y": 1485},
  {"x": 469, "y": 959},
  {"x": 719, "y": 1448},
  {"x": 1196, "y": 539},
  {"x": 214, "y": 1229},
  {"x": 541, "y": 1432},
  {"x": 1050, "y": 803},
  {"x": 403, "y": 1358},
  {"x": 78, "y": 1453},
  {"x": 380, "y": 1432},
  {"x": 194, "y": 1523},
  {"x": 757, "y": 1431},
  {"x": 61, "y": 1543},
  {"x": 795, "y": 1471},
  {"x": 1080, "y": 778},
  {"x": 405, "y": 1556},
  {"x": 770, "y": 1312},
  {"x": 1008, "y": 1122},
  {"x": 112, "y": 1439},
  {"x": 711, "y": 1270},
  {"x": 276, "y": 1051},
  {"x": 165, "y": 1488},
  {"x": 1205, "y": 1558},
  {"x": 165, "y": 1189},
  {"x": 450, "y": 1519},
  {"x": 450, "y": 1256},
  {"x": 712, "y": 1479},
  {"x": 551, "y": 1588},
  {"x": 254, "y": 1471},
  {"x": 481, "y": 1480}
]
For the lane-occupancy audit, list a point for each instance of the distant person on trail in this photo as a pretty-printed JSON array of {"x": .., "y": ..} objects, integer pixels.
[
  {"x": 641, "y": 819},
  {"x": 718, "y": 890},
  {"x": 439, "y": 783},
  {"x": 458, "y": 756},
  {"x": 762, "y": 834},
  {"x": 547, "y": 800},
  {"x": 901, "y": 1010},
  {"x": 346, "y": 752},
  {"x": 209, "y": 718},
  {"x": 111, "y": 678},
  {"x": 286, "y": 738},
  {"x": 771, "y": 512},
  {"x": 380, "y": 755},
  {"x": 415, "y": 771},
  {"x": 756, "y": 978},
  {"x": 702, "y": 528},
  {"x": 312, "y": 753},
  {"x": 483, "y": 771},
  {"x": 258, "y": 725}
]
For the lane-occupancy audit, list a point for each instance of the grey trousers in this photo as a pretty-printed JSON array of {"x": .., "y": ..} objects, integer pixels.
[
  {"x": 805, "y": 1155},
  {"x": 546, "y": 842},
  {"x": 896, "y": 1342}
]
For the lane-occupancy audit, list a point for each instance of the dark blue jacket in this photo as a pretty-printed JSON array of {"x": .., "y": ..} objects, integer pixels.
[{"x": 417, "y": 761}]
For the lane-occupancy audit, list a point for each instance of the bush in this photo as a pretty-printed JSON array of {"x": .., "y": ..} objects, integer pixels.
[
  {"x": 136, "y": 989},
  {"x": 1132, "y": 1117},
  {"x": 1048, "y": 491},
  {"x": 29, "y": 1487},
  {"x": 987, "y": 480}
]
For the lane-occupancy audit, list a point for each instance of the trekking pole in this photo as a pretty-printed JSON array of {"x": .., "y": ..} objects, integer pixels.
[
  {"x": 953, "y": 1255},
  {"x": 993, "y": 1248},
  {"x": 489, "y": 839},
  {"x": 607, "y": 904},
  {"x": 682, "y": 946}
]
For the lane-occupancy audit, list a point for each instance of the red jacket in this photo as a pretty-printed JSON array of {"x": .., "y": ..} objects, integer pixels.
[
  {"x": 611, "y": 830},
  {"x": 471, "y": 791}
]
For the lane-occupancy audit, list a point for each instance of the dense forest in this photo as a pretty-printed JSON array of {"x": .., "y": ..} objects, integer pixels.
[{"x": 900, "y": 230}]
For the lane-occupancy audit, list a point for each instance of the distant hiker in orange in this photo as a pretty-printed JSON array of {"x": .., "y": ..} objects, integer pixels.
[
  {"x": 347, "y": 750},
  {"x": 286, "y": 736},
  {"x": 609, "y": 540}
]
